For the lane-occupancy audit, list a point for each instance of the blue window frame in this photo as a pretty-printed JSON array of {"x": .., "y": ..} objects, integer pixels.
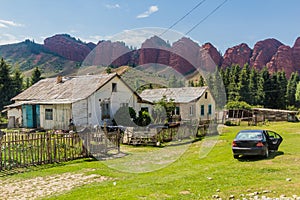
[
  {"x": 202, "y": 110},
  {"x": 209, "y": 109}
]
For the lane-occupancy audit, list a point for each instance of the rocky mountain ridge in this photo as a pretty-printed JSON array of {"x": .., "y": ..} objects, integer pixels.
[{"x": 62, "y": 50}]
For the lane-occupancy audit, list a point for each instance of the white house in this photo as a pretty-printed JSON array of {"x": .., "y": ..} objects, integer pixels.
[
  {"x": 87, "y": 100},
  {"x": 192, "y": 103}
]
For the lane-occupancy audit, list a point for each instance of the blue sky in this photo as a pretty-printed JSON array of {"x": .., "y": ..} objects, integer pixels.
[{"x": 235, "y": 22}]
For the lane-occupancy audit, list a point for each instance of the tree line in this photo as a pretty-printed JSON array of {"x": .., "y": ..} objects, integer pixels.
[
  {"x": 257, "y": 87},
  {"x": 12, "y": 82}
]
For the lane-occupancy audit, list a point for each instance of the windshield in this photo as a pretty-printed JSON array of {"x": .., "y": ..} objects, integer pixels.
[{"x": 249, "y": 136}]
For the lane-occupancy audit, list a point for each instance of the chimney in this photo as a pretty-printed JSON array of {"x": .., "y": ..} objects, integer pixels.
[{"x": 59, "y": 79}]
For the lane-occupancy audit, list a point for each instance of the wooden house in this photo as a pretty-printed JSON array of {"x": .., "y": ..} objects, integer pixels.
[
  {"x": 192, "y": 103},
  {"x": 53, "y": 103}
]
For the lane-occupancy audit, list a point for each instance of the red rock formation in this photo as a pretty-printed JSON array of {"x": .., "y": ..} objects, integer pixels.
[
  {"x": 154, "y": 50},
  {"x": 239, "y": 54},
  {"x": 263, "y": 51},
  {"x": 108, "y": 53},
  {"x": 184, "y": 56},
  {"x": 67, "y": 47},
  {"x": 296, "y": 54},
  {"x": 214, "y": 54},
  {"x": 282, "y": 60}
]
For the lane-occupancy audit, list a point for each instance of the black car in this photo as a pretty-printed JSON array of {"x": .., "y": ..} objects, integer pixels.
[{"x": 255, "y": 142}]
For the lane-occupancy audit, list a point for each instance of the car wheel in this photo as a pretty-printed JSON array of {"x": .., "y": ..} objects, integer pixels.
[
  {"x": 267, "y": 153},
  {"x": 235, "y": 156}
]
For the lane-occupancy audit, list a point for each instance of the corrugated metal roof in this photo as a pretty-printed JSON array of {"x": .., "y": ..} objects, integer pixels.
[
  {"x": 71, "y": 89},
  {"x": 180, "y": 95}
]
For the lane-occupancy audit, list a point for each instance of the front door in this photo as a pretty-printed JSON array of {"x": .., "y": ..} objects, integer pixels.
[
  {"x": 31, "y": 116},
  {"x": 274, "y": 140}
]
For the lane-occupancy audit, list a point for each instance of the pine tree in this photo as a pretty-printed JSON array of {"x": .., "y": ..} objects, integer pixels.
[
  {"x": 275, "y": 92},
  {"x": 297, "y": 95},
  {"x": 201, "y": 81},
  {"x": 215, "y": 84},
  {"x": 253, "y": 82},
  {"x": 6, "y": 93},
  {"x": 291, "y": 89},
  {"x": 233, "y": 89},
  {"x": 243, "y": 84},
  {"x": 267, "y": 87},
  {"x": 282, "y": 86},
  {"x": 36, "y": 76},
  {"x": 17, "y": 81},
  {"x": 27, "y": 83},
  {"x": 172, "y": 81},
  {"x": 260, "y": 93}
]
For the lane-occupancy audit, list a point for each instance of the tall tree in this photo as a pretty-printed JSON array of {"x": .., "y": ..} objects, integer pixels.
[
  {"x": 297, "y": 95},
  {"x": 36, "y": 76},
  {"x": 275, "y": 92},
  {"x": 243, "y": 84},
  {"x": 291, "y": 89},
  {"x": 253, "y": 87},
  {"x": 17, "y": 81},
  {"x": 6, "y": 91},
  {"x": 215, "y": 84},
  {"x": 282, "y": 87},
  {"x": 233, "y": 89},
  {"x": 267, "y": 86},
  {"x": 201, "y": 81}
]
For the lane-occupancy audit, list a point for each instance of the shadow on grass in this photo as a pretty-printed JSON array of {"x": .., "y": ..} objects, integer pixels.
[
  {"x": 10, "y": 172},
  {"x": 32, "y": 168},
  {"x": 272, "y": 155}
]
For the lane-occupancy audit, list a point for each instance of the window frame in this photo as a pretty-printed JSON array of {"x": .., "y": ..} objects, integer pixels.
[
  {"x": 114, "y": 87},
  {"x": 202, "y": 110},
  {"x": 49, "y": 114},
  {"x": 209, "y": 112}
]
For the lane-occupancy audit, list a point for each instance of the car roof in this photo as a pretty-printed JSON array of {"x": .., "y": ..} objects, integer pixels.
[{"x": 256, "y": 130}]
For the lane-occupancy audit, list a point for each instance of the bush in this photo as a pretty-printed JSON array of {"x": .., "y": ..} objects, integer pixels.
[{"x": 230, "y": 123}]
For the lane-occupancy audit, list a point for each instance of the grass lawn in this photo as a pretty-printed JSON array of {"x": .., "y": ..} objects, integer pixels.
[{"x": 196, "y": 171}]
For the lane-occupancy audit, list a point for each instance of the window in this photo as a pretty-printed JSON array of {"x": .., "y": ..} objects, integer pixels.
[
  {"x": 192, "y": 110},
  {"x": 48, "y": 114},
  {"x": 114, "y": 87},
  {"x": 205, "y": 95},
  {"x": 144, "y": 109},
  {"x": 202, "y": 110},
  {"x": 105, "y": 110},
  {"x": 124, "y": 104},
  {"x": 209, "y": 109},
  {"x": 177, "y": 111}
]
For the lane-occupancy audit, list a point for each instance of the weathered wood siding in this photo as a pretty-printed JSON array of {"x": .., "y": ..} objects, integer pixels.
[
  {"x": 61, "y": 116},
  {"x": 80, "y": 112}
]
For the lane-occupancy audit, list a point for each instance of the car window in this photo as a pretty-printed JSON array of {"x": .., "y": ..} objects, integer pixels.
[
  {"x": 249, "y": 136},
  {"x": 273, "y": 135}
]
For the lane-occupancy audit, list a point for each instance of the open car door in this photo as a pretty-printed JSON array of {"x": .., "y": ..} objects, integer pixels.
[{"x": 274, "y": 140}]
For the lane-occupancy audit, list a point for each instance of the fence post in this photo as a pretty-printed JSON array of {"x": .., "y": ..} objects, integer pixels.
[
  {"x": 1, "y": 136},
  {"x": 48, "y": 144},
  {"x": 118, "y": 139}
]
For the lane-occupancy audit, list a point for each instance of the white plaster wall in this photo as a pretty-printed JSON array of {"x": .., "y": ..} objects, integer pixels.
[
  {"x": 206, "y": 102},
  {"x": 122, "y": 95}
]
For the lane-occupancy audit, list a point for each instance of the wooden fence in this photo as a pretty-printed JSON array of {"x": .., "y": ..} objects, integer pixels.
[
  {"x": 25, "y": 149},
  {"x": 21, "y": 149},
  {"x": 159, "y": 134}
]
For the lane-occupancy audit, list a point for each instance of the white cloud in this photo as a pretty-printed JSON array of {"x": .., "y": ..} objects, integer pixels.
[
  {"x": 96, "y": 38},
  {"x": 9, "y": 39},
  {"x": 151, "y": 9},
  {"x": 6, "y": 24},
  {"x": 112, "y": 6}
]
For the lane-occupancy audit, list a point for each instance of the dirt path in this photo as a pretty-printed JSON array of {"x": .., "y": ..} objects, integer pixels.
[{"x": 45, "y": 186}]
